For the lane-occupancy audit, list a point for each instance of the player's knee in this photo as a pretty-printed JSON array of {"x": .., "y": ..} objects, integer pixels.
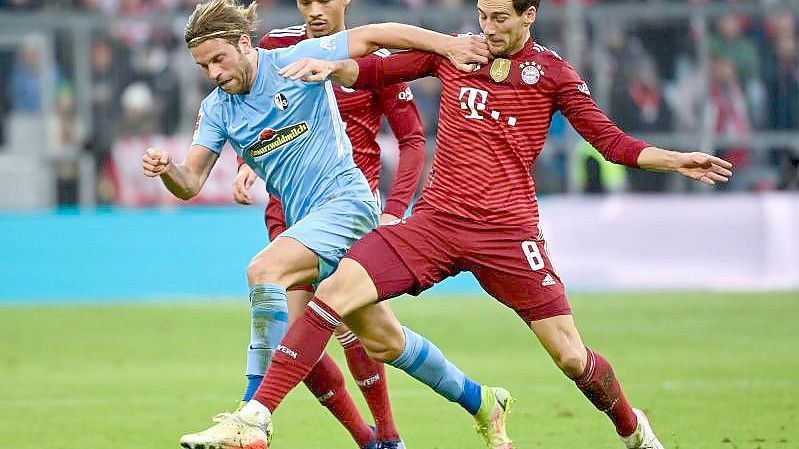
[
  {"x": 261, "y": 270},
  {"x": 571, "y": 362},
  {"x": 383, "y": 350},
  {"x": 333, "y": 291}
]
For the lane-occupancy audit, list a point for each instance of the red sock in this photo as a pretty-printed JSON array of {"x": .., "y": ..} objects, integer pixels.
[
  {"x": 371, "y": 379},
  {"x": 600, "y": 386},
  {"x": 297, "y": 353},
  {"x": 327, "y": 384}
]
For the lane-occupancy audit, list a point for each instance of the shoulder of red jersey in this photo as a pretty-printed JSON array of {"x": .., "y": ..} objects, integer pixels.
[
  {"x": 283, "y": 37},
  {"x": 548, "y": 58},
  {"x": 296, "y": 30},
  {"x": 538, "y": 48},
  {"x": 565, "y": 72}
]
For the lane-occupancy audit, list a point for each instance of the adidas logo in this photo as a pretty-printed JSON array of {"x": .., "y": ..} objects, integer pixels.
[{"x": 548, "y": 280}]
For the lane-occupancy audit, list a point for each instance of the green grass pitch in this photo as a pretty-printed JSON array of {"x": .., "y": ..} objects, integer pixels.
[{"x": 713, "y": 371}]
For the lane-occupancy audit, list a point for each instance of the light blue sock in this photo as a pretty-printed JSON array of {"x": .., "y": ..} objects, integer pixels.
[
  {"x": 426, "y": 363},
  {"x": 270, "y": 320}
]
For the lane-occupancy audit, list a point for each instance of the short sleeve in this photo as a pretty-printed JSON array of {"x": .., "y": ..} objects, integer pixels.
[
  {"x": 330, "y": 48},
  {"x": 209, "y": 130}
]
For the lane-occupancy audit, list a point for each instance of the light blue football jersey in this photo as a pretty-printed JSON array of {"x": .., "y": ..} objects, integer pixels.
[{"x": 289, "y": 132}]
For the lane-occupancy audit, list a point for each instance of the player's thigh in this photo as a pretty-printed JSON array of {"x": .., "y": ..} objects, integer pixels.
[
  {"x": 348, "y": 289},
  {"x": 275, "y": 221},
  {"x": 515, "y": 268},
  {"x": 331, "y": 229},
  {"x": 379, "y": 331},
  {"x": 409, "y": 256},
  {"x": 286, "y": 262}
]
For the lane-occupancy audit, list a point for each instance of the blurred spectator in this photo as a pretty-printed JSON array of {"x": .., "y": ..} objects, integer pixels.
[
  {"x": 782, "y": 84},
  {"x": 637, "y": 102},
  {"x": 731, "y": 44},
  {"x": 151, "y": 64},
  {"x": 69, "y": 135},
  {"x": 780, "y": 25},
  {"x": 6, "y": 61},
  {"x": 105, "y": 94},
  {"x": 728, "y": 100},
  {"x": 138, "y": 111},
  {"x": 781, "y": 75},
  {"x": 24, "y": 4},
  {"x": 731, "y": 120},
  {"x": 26, "y": 78},
  {"x": 638, "y": 107}
]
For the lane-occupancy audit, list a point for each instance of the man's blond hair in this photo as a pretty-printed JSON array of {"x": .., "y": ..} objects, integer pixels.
[{"x": 220, "y": 19}]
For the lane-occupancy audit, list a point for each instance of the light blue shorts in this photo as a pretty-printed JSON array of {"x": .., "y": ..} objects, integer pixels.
[{"x": 331, "y": 228}]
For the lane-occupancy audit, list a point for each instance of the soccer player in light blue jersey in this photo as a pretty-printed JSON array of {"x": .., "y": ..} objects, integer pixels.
[{"x": 291, "y": 134}]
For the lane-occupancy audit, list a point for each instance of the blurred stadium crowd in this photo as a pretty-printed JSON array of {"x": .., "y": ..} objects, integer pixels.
[{"x": 708, "y": 78}]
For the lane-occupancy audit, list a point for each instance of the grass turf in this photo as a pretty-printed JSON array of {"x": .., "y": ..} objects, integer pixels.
[{"x": 713, "y": 371}]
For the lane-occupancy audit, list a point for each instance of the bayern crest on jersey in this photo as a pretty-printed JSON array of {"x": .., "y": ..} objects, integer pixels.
[{"x": 531, "y": 72}]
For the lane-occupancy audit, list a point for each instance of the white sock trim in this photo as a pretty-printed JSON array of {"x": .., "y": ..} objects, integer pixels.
[
  {"x": 347, "y": 339},
  {"x": 324, "y": 314}
]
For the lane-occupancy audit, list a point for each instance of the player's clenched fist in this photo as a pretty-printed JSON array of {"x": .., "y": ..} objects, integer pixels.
[
  {"x": 467, "y": 52},
  {"x": 155, "y": 162}
]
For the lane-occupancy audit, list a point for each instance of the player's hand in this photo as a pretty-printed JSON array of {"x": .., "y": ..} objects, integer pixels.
[
  {"x": 387, "y": 218},
  {"x": 155, "y": 162},
  {"x": 467, "y": 52},
  {"x": 243, "y": 183},
  {"x": 703, "y": 167},
  {"x": 309, "y": 70}
]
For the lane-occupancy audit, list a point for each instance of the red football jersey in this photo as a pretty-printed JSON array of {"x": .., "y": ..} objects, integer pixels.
[
  {"x": 361, "y": 111},
  {"x": 492, "y": 125}
]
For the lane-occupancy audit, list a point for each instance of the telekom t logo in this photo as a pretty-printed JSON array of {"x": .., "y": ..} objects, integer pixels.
[{"x": 473, "y": 100}]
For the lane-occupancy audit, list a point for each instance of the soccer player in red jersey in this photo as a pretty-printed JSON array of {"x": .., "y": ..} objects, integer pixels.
[
  {"x": 478, "y": 213},
  {"x": 361, "y": 111}
]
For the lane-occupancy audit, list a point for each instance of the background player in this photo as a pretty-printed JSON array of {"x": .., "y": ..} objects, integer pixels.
[
  {"x": 361, "y": 111},
  {"x": 478, "y": 213},
  {"x": 291, "y": 134}
]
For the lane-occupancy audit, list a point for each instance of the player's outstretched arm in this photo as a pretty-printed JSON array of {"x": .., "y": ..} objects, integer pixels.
[
  {"x": 695, "y": 165},
  {"x": 463, "y": 51},
  {"x": 344, "y": 72},
  {"x": 183, "y": 180}
]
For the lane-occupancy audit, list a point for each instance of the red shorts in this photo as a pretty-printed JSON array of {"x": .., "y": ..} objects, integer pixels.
[{"x": 510, "y": 262}]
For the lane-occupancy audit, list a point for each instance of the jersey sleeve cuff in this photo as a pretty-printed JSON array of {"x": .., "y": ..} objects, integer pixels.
[
  {"x": 633, "y": 148},
  {"x": 395, "y": 207}
]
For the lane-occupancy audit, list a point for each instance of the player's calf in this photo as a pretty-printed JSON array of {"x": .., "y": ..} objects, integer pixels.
[{"x": 599, "y": 384}]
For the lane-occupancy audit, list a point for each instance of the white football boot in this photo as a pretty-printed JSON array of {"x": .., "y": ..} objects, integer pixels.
[
  {"x": 643, "y": 437},
  {"x": 248, "y": 428}
]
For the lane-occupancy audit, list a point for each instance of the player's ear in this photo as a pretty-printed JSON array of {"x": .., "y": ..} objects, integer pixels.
[
  {"x": 347, "y": 3},
  {"x": 245, "y": 43},
  {"x": 528, "y": 16}
]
